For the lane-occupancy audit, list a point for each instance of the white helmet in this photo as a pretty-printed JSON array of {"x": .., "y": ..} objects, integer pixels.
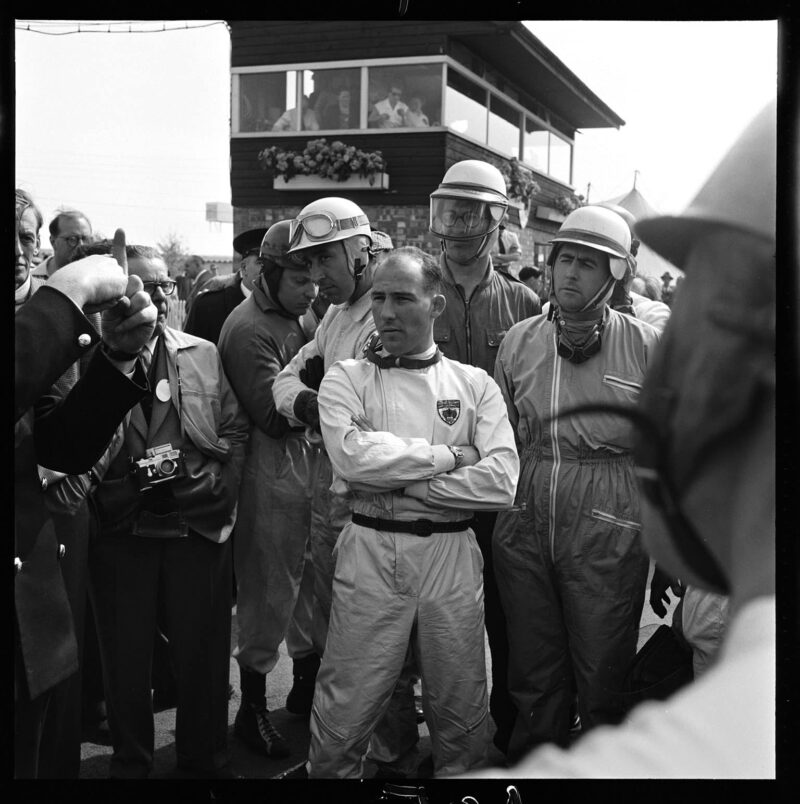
[
  {"x": 600, "y": 228},
  {"x": 326, "y": 221},
  {"x": 473, "y": 181}
]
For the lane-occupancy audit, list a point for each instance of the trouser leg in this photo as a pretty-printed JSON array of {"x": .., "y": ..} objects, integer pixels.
[
  {"x": 124, "y": 573},
  {"x": 197, "y": 605},
  {"x": 540, "y": 673},
  {"x": 501, "y": 706}
]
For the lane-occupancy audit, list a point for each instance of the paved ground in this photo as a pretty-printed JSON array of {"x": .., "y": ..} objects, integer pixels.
[{"x": 95, "y": 758}]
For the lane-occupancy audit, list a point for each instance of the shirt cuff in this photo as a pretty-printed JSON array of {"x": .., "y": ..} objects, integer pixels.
[{"x": 443, "y": 459}]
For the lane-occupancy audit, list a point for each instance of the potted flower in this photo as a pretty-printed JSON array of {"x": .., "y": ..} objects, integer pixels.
[
  {"x": 522, "y": 187},
  {"x": 325, "y": 163},
  {"x": 567, "y": 203}
]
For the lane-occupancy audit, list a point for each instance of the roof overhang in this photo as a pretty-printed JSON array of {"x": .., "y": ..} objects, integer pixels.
[{"x": 530, "y": 64}]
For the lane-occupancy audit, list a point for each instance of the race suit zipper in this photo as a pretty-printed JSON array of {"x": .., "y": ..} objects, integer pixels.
[{"x": 556, "y": 451}]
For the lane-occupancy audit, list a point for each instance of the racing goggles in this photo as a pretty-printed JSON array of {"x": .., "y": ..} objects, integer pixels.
[
  {"x": 460, "y": 219},
  {"x": 320, "y": 226}
]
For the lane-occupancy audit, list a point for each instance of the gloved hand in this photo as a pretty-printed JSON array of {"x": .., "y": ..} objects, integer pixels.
[
  {"x": 311, "y": 375},
  {"x": 306, "y": 408},
  {"x": 660, "y": 584}
]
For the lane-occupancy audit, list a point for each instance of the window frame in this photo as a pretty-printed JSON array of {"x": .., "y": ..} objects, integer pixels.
[{"x": 447, "y": 63}]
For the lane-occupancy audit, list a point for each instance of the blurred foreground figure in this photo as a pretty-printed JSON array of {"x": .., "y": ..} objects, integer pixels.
[{"x": 706, "y": 463}]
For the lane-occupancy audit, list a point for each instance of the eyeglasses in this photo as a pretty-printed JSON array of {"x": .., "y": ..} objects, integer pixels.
[
  {"x": 470, "y": 218},
  {"x": 394, "y": 92},
  {"x": 320, "y": 225},
  {"x": 73, "y": 240},
  {"x": 167, "y": 287}
]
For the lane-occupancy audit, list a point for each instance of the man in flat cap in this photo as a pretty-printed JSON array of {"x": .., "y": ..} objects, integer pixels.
[{"x": 222, "y": 293}]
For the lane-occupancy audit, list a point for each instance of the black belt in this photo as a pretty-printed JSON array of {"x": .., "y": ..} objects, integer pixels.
[{"x": 419, "y": 527}]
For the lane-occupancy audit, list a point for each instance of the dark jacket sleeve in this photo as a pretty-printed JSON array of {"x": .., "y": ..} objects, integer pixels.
[{"x": 50, "y": 334}]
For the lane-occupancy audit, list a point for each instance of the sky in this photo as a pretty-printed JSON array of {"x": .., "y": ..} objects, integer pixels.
[{"x": 133, "y": 128}]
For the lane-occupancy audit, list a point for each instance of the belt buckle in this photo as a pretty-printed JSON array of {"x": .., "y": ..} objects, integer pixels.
[{"x": 423, "y": 527}]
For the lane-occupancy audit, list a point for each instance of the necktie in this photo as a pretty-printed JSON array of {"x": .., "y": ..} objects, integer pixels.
[{"x": 399, "y": 361}]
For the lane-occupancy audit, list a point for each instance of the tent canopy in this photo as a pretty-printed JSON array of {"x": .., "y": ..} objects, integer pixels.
[{"x": 648, "y": 263}]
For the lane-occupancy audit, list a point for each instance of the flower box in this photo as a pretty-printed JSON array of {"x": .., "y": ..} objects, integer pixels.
[
  {"x": 550, "y": 214},
  {"x": 380, "y": 181}
]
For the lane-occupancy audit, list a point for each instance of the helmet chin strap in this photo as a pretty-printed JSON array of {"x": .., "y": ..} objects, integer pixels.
[
  {"x": 484, "y": 241},
  {"x": 359, "y": 266}
]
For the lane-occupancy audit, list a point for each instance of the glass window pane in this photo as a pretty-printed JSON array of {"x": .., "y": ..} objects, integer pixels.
[
  {"x": 466, "y": 106},
  {"x": 407, "y": 96},
  {"x": 560, "y": 153},
  {"x": 534, "y": 149},
  {"x": 262, "y": 100},
  {"x": 334, "y": 96},
  {"x": 503, "y": 127}
]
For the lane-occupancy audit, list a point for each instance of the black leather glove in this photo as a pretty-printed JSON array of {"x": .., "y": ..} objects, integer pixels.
[
  {"x": 311, "y": 375},
  {"x": 306, "y": 408},
  {"x": 660, "y": 585}
]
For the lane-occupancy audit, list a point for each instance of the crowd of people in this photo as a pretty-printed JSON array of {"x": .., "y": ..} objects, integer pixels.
[{"x": 387, "y": 460}]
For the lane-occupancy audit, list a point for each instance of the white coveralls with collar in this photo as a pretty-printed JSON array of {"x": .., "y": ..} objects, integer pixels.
[{"x": 391, "y": 587}]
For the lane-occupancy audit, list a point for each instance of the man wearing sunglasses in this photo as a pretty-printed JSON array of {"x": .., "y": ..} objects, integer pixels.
[
  {"x": 705, "y": 455},
  {"x": 570, "y": 564},
  {"x": 483, "y": 303},
  {"x": 68, "y": 230},
  {"x": 222, "y": 294},
  {"x": 165, "y": 510}
]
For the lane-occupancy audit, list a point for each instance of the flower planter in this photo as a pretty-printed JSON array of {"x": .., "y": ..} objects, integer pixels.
[
  {"x": 550, "y": 214},
  {"x": 380, "y": 181},
  {"x": 523, "y": 209}
]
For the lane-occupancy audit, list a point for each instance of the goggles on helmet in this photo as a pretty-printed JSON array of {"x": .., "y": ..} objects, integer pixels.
[{"x": 320, "y": 226}]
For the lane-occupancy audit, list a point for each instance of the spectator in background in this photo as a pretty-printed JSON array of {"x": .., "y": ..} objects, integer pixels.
[
  {"x": 507, "y": 251},
  {"x": 222, "y": 294},
  {"x": 200, "y": 274},
  {"x": 415, "y": 116},
  {"x": 68, "y": 230},
  {"x": 647, "y": 286},
  {"x": 67, "y": 434},
  {"x": 389, "y": 112},
  {"x": 288, "y": 120},
  {"x": 532, "y": 277},
  {"x": 163, "y": 543},
  {"x": 335, "y": 111}
]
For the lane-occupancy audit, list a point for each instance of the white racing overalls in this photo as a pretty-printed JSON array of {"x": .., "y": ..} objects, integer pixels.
[
  {"x": 391, "y": 588},
  {"x": 570, "y": 567}
]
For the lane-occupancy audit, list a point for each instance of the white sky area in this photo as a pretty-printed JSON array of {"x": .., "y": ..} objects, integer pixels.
[{"x": 133, "y": 128}]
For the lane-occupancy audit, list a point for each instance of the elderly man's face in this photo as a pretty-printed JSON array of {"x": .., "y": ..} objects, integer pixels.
[{"x": 26, "y": 244}]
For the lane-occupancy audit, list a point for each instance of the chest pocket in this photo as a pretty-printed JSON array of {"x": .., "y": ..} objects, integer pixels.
[
  {"x": 626, "y": 386},
  {"x": 494, "y": 337}
]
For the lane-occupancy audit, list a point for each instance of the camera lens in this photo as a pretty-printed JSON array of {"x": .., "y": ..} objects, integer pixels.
[{"x": 167, "y": 466}]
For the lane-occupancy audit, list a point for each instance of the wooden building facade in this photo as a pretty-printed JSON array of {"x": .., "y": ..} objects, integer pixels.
[{"x": 487, "y": 90}]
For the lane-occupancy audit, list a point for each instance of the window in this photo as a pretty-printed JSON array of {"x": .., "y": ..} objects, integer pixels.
[
  {"x": 263, "y": 98},
  {"x": 405, "y": 96},
  {"x": 504, "y": 127},
  {"x": 535, "y": 145},
  {"x": 466, "y": 106},
  {"x": 560, "y": 158},
  {"x": 335, "y": 96}
]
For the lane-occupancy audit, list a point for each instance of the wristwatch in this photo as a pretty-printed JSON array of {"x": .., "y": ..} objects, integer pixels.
[{"x": 458, "y": 454}]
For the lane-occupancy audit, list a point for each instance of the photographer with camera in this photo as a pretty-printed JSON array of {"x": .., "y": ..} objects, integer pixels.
[{"x": 165, "y": 510}]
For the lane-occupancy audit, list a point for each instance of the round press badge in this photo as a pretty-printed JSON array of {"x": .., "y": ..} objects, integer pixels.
[{"x": 162, "y": 390}]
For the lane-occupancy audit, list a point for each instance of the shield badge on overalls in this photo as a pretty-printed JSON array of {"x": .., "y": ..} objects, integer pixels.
[{"x": 449, "y": 410}]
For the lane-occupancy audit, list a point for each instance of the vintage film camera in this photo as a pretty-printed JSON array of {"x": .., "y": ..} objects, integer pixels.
[{"x": 160, "y": 465}]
